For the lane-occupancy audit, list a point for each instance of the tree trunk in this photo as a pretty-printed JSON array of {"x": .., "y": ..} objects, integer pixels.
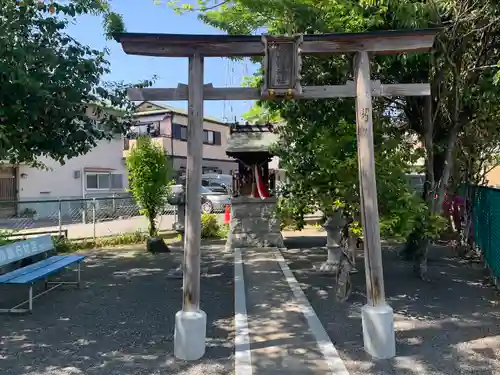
[
  {"x": 152, "y": 225},
  {"x": 418, "y": 242},
  {"x": 416, "y": 246}
]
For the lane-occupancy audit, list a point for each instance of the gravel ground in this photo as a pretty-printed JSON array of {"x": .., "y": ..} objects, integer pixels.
[
  {"x": 450, "y": 325},
  {"x": 122, "y": 320}
]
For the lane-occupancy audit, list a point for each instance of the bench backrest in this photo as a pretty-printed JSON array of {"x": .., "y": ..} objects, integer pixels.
[{"x": 24, "y": 249}]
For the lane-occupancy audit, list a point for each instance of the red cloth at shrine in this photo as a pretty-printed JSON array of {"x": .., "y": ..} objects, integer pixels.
[{"x": 262, "y": 191}]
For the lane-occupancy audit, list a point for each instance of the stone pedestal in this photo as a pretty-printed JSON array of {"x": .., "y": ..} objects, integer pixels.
[
  {"x": 333, "y": 227},
  {"x": 254, "y": 223}
]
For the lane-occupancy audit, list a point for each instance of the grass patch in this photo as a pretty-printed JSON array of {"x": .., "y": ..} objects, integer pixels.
[
  {"x": 65, "y": 245},
  {"x": 211, "y": 229}
]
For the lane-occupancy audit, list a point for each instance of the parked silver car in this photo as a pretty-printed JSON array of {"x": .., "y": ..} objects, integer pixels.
[
  {"x": 221, "y": 183},
  {"x": 211, "y": 201}
]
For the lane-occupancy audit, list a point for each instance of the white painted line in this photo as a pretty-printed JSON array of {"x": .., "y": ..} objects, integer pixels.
[
  {"x": 242, "y": 356},
  {"x": 330, "y": 354}
]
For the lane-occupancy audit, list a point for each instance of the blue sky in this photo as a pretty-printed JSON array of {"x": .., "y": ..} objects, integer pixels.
[{"x": 144, "y": 16}]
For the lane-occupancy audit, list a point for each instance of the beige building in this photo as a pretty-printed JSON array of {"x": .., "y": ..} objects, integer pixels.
[
  {"x": 169, "y": 128},
  {"x": 493, "y": 178},
  {"x": 102, "y": 172}
]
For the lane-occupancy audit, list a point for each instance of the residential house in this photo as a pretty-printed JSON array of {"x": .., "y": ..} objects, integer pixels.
[
  {"x": 169, "y": 128},
  {"x": 100, "y": 172}
]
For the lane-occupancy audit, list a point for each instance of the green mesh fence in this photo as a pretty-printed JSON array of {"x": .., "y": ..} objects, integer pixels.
[{"x": 487, "y": 225}]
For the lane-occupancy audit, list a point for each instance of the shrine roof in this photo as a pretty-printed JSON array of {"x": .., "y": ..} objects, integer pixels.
[{"x": 251, "y": 141}]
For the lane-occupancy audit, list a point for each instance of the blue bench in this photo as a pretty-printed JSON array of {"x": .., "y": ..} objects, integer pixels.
[{"x": 42, "y": 270}]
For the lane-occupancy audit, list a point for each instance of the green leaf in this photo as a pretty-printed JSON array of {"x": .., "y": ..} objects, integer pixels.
[
  {"x": 52, "y": 88},
  {"x": 150, "y": 178}
]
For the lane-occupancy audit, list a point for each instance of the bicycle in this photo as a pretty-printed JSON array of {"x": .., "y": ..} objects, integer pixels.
[{"x": 346, "y": 266}]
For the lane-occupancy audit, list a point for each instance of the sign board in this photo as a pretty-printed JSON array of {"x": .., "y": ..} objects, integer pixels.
[
  {"x": 282, "y": 64},
  {"x": 24, "y": 249}
]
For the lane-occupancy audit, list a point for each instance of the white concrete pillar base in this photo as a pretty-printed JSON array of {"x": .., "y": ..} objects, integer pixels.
[
  {"x": 378, "y": 331},
  {"x": 190, "y": 334}
]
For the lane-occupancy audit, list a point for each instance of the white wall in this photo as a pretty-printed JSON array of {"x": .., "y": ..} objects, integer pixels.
[
  {"x": 59, "y": 181},
  {"x": 42, "y": 188}
]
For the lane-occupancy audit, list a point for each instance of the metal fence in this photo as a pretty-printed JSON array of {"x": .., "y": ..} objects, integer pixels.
[
  {"x": 486, "y": 212},
  {"x": 79, "y": 217}
]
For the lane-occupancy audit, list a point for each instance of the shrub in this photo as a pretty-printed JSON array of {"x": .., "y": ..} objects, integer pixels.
[
  {"x": 210, "y": 227},
  {"x": 63, "y": 245},
  {"x": 4, "y": 237},
  {"x": 223, "y": 231},
  {"x": 291, "y": 212},
  {"x": 150, "y": 179}
]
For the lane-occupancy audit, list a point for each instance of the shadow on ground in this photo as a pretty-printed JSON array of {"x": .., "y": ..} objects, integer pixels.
[
  {"x": 279, "y": 337},
  {"x": 121, "y": 321},
  {"x": 450, "y": 325}
]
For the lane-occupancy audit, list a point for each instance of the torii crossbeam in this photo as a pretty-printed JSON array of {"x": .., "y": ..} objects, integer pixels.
[{"x": 282, "y": 64}]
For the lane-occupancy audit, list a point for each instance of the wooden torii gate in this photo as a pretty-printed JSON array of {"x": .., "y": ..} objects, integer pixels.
[{"x": 282, "y": 63}]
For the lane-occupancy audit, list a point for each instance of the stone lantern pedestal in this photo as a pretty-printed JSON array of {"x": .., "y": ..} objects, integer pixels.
[{"x": 333, "y": 227}]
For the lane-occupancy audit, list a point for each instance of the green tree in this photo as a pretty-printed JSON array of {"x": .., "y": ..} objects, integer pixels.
[
  {"x": 319, "y": 137},
  {"x": 150, "y": 178},
  {"x": 463, "y": 97},
  {"x": 460, "y": 70},
  {"x": 51, "y": 83},
  {"x": 320, "y": 159}
]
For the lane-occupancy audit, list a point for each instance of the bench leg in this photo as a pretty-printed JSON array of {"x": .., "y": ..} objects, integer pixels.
[
  {"x": 54, "y": 284},
  {"x": 49, "y": 286},
  {"x": 17, "y": 310},
  {"x": 78, "y": 282},
  {"x": 30, "y": 299}
]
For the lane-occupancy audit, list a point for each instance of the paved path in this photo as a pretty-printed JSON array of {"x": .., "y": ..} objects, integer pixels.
[{"x": 285, "y": 335}]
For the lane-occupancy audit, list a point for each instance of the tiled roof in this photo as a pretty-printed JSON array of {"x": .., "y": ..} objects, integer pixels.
[{"x": 167, "y": 108}]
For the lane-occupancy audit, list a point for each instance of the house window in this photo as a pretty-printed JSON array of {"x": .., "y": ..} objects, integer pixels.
[
  {"x": 104, "y": 181},
  {"x": 211, "y": 137},
  {"x": 184, "y": 133},
  {"x": 152, "y": 129},
  {"x": 208, "y": 137},
  {"x": 179, "y": 132}
]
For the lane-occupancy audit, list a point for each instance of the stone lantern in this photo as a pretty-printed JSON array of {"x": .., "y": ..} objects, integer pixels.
[{"x": 334, "y": 225}]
